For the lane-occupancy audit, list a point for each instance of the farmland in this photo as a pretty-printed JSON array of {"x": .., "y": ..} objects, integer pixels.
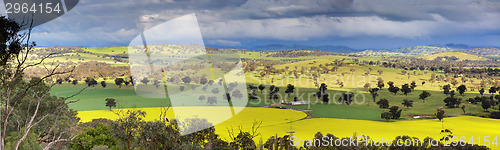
[
  {"x": 281, "y": 122},
  {"x": 350, "y": 74}
]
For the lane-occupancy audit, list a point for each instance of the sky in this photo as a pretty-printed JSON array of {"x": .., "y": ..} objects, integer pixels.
[{"x": 360, "y": 24}]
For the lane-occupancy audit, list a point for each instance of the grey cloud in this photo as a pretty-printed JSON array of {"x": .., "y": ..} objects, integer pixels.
[{"x": 296, "y": 20}]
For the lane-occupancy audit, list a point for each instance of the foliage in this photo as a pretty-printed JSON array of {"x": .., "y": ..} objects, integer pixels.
[
  {"x": 440, "y": 114},
  {"x": 424, "y": 95},
  {"x": 452, "y": 102},
  {"x": 346, "y": 98},
  {"x": 119, "y": 81},
  {"x": 110, "y": 102},
  {"x": 289, "y": 89},
  {"x": 407, "y": 103},
  {"x": 374, "y": 93},
  {"x": 406, "y": 89},
  {"x": 383, "y": 103},
  {"x": 461, "y": 89},
  {"x": 386, "y": 115},
  {"x": 446, "y": 89},
  {"x": 94, "y": 136},
  {"x": 395, "y": 112},
  {"x": 127, "y": 128}
]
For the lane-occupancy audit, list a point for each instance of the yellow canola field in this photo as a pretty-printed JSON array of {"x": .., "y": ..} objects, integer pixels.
[{"x": 281, "y": 122}]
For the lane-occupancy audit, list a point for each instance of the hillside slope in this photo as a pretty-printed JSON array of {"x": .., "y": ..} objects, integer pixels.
[{"x": 461, "y": 56}]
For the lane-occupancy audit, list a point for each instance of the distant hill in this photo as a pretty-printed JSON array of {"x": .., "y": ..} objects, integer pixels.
[
  {"x": 415, "y": 50},
  {"x": 421, "y": 50},
  {"x": 328, "y": 48},
  {"x": 484, "y": 51},
  {"x": 454, "y": 55},
  {"x": 489, "y": 52}
]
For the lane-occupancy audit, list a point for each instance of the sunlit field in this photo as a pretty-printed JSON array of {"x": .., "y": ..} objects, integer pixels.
[{"x": 283, "y": 122}]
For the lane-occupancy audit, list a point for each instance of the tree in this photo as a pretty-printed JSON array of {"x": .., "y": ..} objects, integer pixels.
[
  {"x": 186, "y": 79},
  {"x": 413, "y": 85},
  {"x": 212, "y": 100},
  {"x": 492, "y": 90},
  {"x": 252, "y": 87},
  {"x": 407, "y": 103},
  {"x": 289, "y": 89},
  {"x": 103, "y": 84},
  {"x": 127, "y": 127},
  {"x": 374, "y": 93},
  {"x": 28, "y": 109},
  {"x": 463, "y": 108},
  {"x": 346, "y": 98},
  {"x": 91, "y": 82},
  {"x": 390, "y": 83},
  {"x": 380, "y": 84},
  {"x": 322, "y": 94},
  {"x": 481, "y": 91},
  {"x": 386, "y": 115},
  {"x": 366, "y": 86},
  {"x": 454, "y": 82},
  {"x": 145, "y": 81},
  {"x": 119, "y": 81},
  {"x": 244, "y": 140},
  {"x": 110, "y": 102},
  {"x": 383, "y": 103},
  {"x": 424, "y": 95},
  {"x": 406, "y": 89},
  {"x": 261, "y": 88},
  {"x": 203, "y": 80},
  {"x": 93, "y": 136},
  {"x": 395, "y": 112},
  {"x": 59, "y": 81},
  {"x": 156, "y": 83},
  {"x": 237, "y": 94},
  {"x": 461, "y": 89},
  {"x": 252, "y": 96},
  {"x": 393, "y": 89},
  {"x": 215, "y": 90},
  {"x": 440, "y": 114},
  {"x": 74, "y": 82},
  {"x": 446, "y": 89},
  {"x": 202, "y": 98},
  {"x": 273, "y": 94},
  {"x": 486, "y": 104},
  {"x": 452, "y": 102}
]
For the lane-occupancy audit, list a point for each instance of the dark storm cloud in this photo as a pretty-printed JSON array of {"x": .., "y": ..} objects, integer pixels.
[
  {"x": 408, "y": 10},
  {"x": 99, "y": 23}
]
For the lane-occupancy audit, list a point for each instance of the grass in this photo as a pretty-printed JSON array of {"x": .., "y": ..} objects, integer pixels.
[{"x": 94, "y": 98}]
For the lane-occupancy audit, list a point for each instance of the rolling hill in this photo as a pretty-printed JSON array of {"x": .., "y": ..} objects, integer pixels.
[{"x": 460, "y": 55}]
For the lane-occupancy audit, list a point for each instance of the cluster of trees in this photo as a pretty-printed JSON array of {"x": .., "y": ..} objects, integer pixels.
[
  {"x": 393, "y": 113},
  {"x": 323, "y": 95},
  {"x": 405, "y": 88},
  {"x": 300, "y": 53},
  {"x": 131, "y": 131},
  {"x": 316, "y": 143},
  {"x": 30, "y": 114}
]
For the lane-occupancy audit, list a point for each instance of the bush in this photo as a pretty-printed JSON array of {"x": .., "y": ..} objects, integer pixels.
[{"x": 495, "y": 115}]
